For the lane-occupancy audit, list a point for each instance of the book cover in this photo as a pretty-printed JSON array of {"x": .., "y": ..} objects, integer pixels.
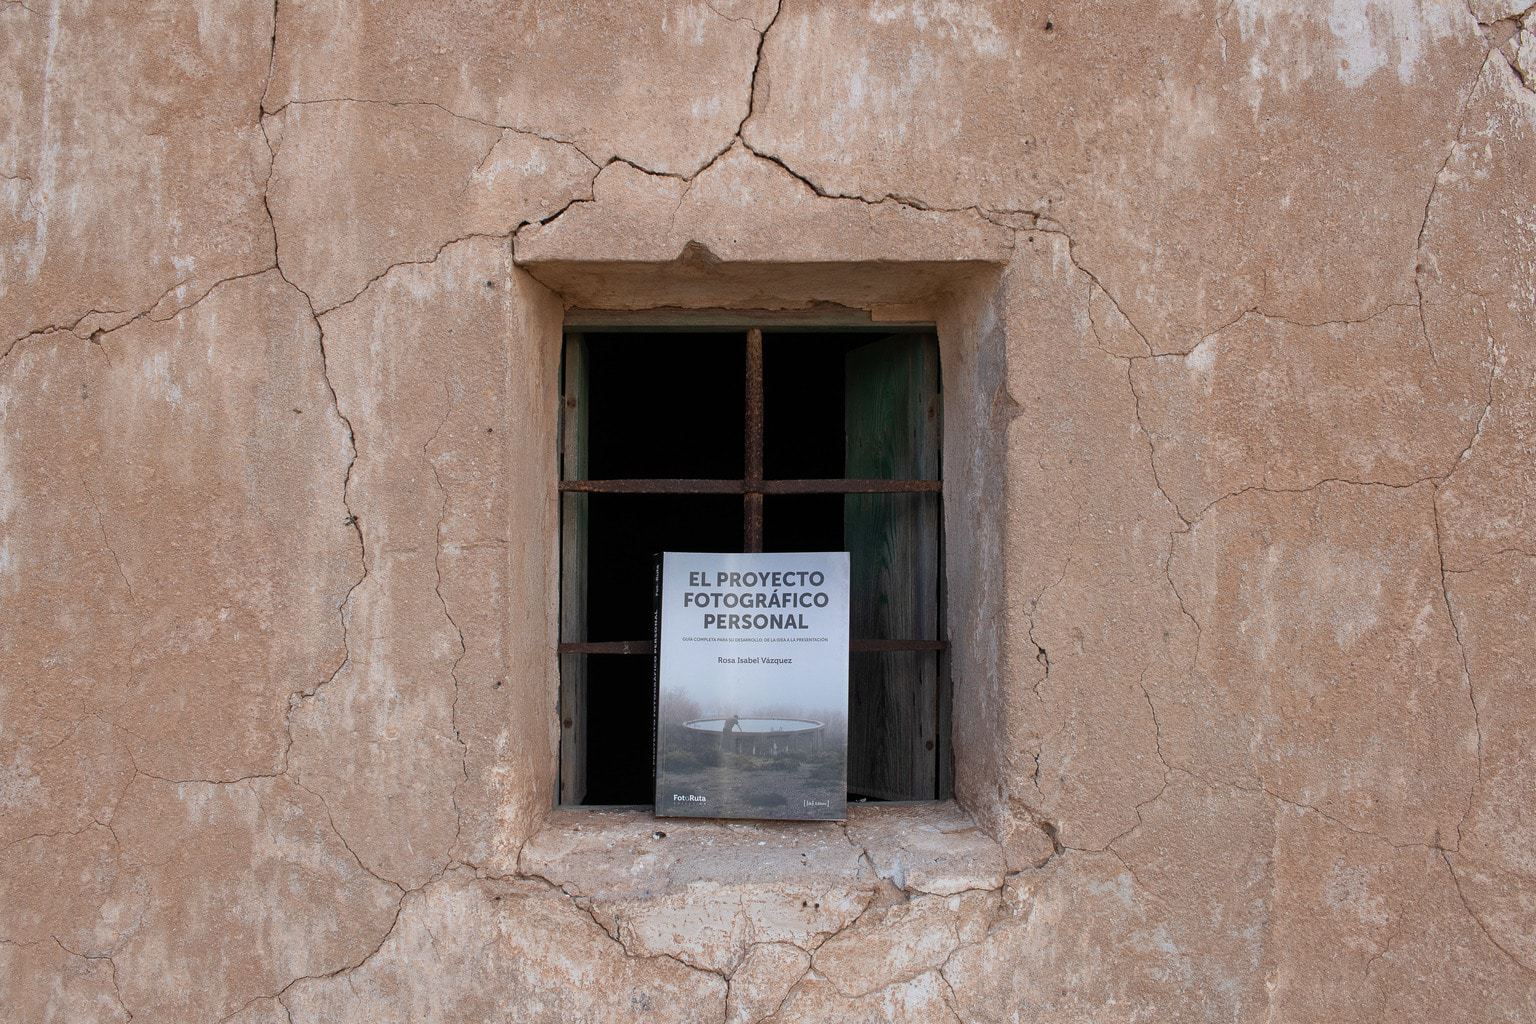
[{"x": 752, "y": 685}]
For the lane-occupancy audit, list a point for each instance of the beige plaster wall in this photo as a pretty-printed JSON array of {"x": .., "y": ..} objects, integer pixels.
[{"x": 1237, "y": 303}]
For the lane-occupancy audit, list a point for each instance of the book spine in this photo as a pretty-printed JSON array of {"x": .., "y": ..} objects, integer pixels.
[{"x": 656, "y": 672}]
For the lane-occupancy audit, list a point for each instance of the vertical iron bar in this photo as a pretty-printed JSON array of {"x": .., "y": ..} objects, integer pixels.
[{"x": 752, "y": 510}]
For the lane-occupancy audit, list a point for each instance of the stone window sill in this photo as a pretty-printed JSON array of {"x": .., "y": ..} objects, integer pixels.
[{"x": 706, "y": 892}]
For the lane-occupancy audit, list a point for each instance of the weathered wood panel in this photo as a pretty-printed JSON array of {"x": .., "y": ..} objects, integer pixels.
[
  {"x": 574, "y": 509},
  {"x": 892, "y": 422}
]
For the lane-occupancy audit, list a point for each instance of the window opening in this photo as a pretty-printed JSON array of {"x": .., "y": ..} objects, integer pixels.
[{"x": 752, "y": 441}]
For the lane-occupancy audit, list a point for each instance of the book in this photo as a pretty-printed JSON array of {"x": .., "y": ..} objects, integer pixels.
[{"x": 751, "y": 685}]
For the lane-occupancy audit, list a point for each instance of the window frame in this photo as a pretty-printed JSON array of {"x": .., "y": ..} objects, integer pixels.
[{"x": 753, "y": 488}]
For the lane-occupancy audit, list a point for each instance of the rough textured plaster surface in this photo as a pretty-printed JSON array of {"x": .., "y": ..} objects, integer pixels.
[
  {"x": 1192, "y": 160},
  {"x": 1236, "y": 304},
  {"x": 337, "y": 234},
  {"x": 132, "y": 166}
]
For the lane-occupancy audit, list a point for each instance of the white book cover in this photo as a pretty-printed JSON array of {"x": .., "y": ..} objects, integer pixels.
[{"x": 752, "y": 685}]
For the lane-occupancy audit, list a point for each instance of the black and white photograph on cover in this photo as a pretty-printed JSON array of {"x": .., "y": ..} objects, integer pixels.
[{"x": 752, "y": 674}]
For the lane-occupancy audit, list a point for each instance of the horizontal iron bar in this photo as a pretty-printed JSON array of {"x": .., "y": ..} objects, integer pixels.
[
  {"x": 856, "y": 646},
  {"x": 833, "y": 486},
  {"x": 852, "y": 486},
  {"x": 653, "y": 486},
  {"x": 876, "y": 646},
  {"x": 612, "y": 647}
]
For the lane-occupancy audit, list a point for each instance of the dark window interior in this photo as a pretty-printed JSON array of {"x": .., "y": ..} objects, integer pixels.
[{"x": 672, "y": 406}]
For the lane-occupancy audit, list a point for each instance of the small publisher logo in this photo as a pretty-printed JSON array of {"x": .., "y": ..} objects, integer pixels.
[
  {"x": 816, "y": 803},
  {"x": 688, "y": 798}
]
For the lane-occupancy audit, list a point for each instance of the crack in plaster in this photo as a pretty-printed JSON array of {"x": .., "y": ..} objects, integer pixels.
[
  {"x": 585, "y": 904},
  {"x": 48, "y": 329},
  {"x": 950, "y": 926},
  {"x": 437, "y": 587},
  {"x": 1466, "y": 668},
  {"x": 266, "y": 86},
  {"x": 95, "y": 335},
  {"x": 502, "y": 128},
  {"x": 394, "y": 923},
  {"x": 757, "y": 63},
  {"x": 123, "y": 935},
  {"x": 1141, "y": 428},
  {"x": 1487, "y": 413},
  {"x": 1516, "y": 17},
  {"x": 351, "y": 519},
  {"x": 326, "y": 807},
  {"x": 738, "y": 21},
  {"x": 106, "y": 542},
  {"x": 1041, "y": 655},
  {"x": 1511, "y": 26},
  {"x": 131, "y": 663},
  {"x": 1487, "y": 934},
  {"x": 295, "y": 700},
  {"x": 1434, "y": 186},
  {"x": 1095, "y": 283},
  {"x": 951, "y": 1000},
  {"x": 1157, "y": 738},
  {"x": 784, "y": 999},
  {"x": 138, "y": 772},
  {"x": 1443, "y": 851},
  {"x": 906, "y": 893},
  {"x": 1302, "y": 807},
  {"x": 117, "y": 991},
  {"x": 1094, "y": 288},
  {"x": 1384, "y": 948},
  {"x": 1483, "y": 562},
  {"x": 1527, "y": 79},
  {"x": 63, "y": 833},
  {"x": 1307, "y": 489},
  {"x": 508, "y": 236},
  {"x": 436, "y": 255}
]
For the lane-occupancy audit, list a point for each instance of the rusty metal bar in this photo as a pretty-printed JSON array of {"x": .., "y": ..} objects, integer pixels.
[
  {"x": 854, "y": 646},
  {"x": 612, "y": 647},
  {"x": 829, "y": 486},
  {"x": 881, "y": 646},
  {"x": 752, "y": 510},
  {"x": 851, "y": 486},
  {"x": 662, "y": 486}
]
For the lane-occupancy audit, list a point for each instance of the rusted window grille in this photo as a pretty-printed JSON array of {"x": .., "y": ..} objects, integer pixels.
[{"x": 753, "y": 486}]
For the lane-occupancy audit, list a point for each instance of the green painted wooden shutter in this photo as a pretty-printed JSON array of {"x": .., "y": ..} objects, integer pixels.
[
  {"x": 892, "y": 422},
  {"x": 573, "y": 572}
]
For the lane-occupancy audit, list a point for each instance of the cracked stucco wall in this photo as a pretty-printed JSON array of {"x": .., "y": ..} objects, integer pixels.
[{"x": 1238, "y": 306}]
